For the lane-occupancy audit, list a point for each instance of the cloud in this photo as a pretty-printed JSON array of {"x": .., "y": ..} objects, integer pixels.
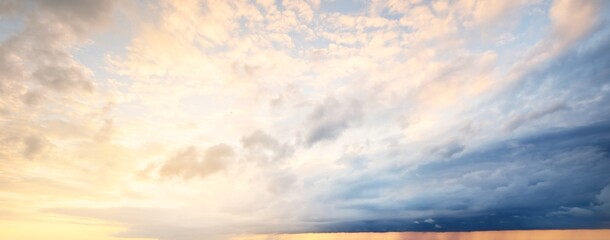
[
  {"x": 603, "y": 200},
  {"x": 81, "y": 17},
  {"x": 488, "y": 13},
  {"x": 281, "y": 183},
  {"x": 191, "y": 163},
  {"x": 264, "y": 149},
  {"x": 62, "y": 79},
  {"x": 486, "y": 184},
  {"x": 42, "y": 50},
  {"x": 399, "y": 115},
  {"x": 573, "y": 19},
  {"x": 32, "y": 98},
  {"x": 519, "y": 120},
  {"x": 40, "y": 75},
  {"x": 574, "y": 211},
  {"x": 33, "y": 146},
  {"x": 330, "y": 118},
  {"x": 9, "y": 7},
  {"x": 106, "y": 132},
  {"x": 448, "y": 150}
]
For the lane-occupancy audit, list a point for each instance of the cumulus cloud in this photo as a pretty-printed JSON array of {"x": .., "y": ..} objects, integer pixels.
[
  {"x": 40, "y": 75},
  {"x": 191, "y": 162},
  {"x": 41, "y": 52},
  {"x": 330, "y": 118},
  {"x": 264, "y": 149},
  {"x": 603, "y": 199}
]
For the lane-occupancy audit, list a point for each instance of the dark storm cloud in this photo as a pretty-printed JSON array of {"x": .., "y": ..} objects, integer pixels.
[
  {"x": 603, "y": 201},
  {"x": 525, "y": 183}
]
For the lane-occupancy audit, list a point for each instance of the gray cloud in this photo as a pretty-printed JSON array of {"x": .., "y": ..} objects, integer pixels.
[
  {"x": 37, "y": 67},
  {"x": 329, "y": 119},
  {"x": 9, "y": 7},
  {"x": 448, "y": 150},
  {"x": 603, "y": 200},
  {"x": 281, "y": 183},
  {"x": 80, "y": 16},
  {"x": 10, "y": 65},
  {"x": 39, "y": 56},
  {"x": 33, "y": 145},
  {"x": 63, "y": 78},
  {"x": 573, "y": 211},
  {"x": 570, "y": 89},
  {"x": 519, "y": 120},
  {"x": 32, "y": 98},
  {"x": 523, "y": 177},
  {"x": 191, "y": 163},
  {"x": 264, "y": 149}
]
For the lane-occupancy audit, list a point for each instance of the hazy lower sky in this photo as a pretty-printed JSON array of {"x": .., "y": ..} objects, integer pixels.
[{"x": 192, "y": 119}]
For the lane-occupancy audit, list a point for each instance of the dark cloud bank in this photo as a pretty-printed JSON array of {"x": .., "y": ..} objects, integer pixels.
[
  {"x": 552, "y": 180},
  {"x": 556, "y": 176}
]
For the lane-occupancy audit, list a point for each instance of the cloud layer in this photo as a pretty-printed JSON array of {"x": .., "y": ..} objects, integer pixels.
[{"x": 231, "y": 117}]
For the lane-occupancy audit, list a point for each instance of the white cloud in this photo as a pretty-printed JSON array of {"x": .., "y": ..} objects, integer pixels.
[{"x": 573, "y": 19}]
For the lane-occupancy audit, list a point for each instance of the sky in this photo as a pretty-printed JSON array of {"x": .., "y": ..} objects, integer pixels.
[{"x": 192, "y": 119}]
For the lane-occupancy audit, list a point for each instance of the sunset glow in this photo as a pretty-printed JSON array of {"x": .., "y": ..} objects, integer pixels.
[
  {"x": 304, "y": 119},
  {"x": 496, "y": 235}
]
